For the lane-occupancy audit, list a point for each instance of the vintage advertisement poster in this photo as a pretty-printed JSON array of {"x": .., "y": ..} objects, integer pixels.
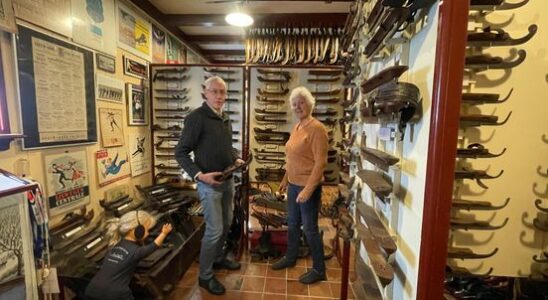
[
  {"x": 139, "y": 149},
  {"x": 93, "y": 24},
  {"x": 66, "y": 181},
  {"x": 137, "y": 98},
  {"x": 134, "y": 32},
  {"x": 105, "y": 63},
  {"x": 135, "y": 68},
  {"x": 173, "y": 50},
  {"x": 112, "y": 133},
  {"x": 50, "y": 14},
  {"x": 109, "y": 89},
  {"x": 192, "y": 58},
  {"x": 158, "y": 45},
  {"x": 60, "y": 92},
  {"x": 7, "y": 17},
  {"x": 112, "y": 165}
]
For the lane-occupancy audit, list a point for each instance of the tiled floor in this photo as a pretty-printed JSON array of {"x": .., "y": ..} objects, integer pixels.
[{"x": 256, "y": 280}]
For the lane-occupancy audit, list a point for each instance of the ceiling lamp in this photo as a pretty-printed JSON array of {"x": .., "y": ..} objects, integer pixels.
[{"x": 239, "y": 19}]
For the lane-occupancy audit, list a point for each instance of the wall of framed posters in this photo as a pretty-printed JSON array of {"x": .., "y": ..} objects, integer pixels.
[{"x": 56, "y": 83}]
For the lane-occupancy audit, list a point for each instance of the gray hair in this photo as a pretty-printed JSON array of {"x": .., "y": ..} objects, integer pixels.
[
  {"x": 212, "y": 79},
  {"x": 304, "y": 93},
  {"x": 118, "y": 227}
]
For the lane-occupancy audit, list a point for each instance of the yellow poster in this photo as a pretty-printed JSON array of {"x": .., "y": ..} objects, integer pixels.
[{"x": 142, "y": 36}]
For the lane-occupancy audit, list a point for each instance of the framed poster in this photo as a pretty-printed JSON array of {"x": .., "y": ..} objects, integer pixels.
[
  {"x": 133, "y": 32},
  {"x": 116, "y": 192},
  {"x": 105, "y": 63},
  {"x": 112, "y": 165},
  {"x": 172, "y": 50},
  {"x": 94, "y": 24},
  {"x": 7, "y": 16},
  {"x": 57, "y": 91},
  {"x": 66, "y": 181},
  {"x": 158, "y": 45},
  {"x": 109, "y": 89},
  {"x": 54, "y": 15},
  {"x": 137, "y": 99},
  {"x": 182, "y": 55},
  {"x": 112, "y": 133},
  {"x": 192, "y": 58},
  {"x": 139, "y": 149},
  {"x": 135, "y": 68}
]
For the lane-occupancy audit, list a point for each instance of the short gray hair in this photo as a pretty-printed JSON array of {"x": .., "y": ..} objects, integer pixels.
[
  {"x": 212, "y": 79},
  {"x": 119, "y": 227},
  {"x": 302, "y": 92}
]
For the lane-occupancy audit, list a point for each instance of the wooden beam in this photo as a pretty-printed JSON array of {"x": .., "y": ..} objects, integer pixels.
[
  {"x": 297, "y": 19},
  {"x": 224, "y": 52},
  {"x": 227, "y": 62},
  {"x": 159, "y": 17},
  {"x": 324, "y": 1},
  {"x": 227, "y": 39}
]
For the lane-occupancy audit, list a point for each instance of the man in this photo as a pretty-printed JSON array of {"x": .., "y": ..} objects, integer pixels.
[{"x": 208, "y": 133}]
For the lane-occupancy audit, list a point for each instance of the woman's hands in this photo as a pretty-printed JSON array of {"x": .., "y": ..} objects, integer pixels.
[
  {"x": 303, "y": 197},
  {"x": 283, "y": 187}
]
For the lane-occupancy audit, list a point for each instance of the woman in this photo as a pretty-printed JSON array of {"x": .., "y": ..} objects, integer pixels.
[
  {"x": 112, "y": 280},
  {"x": 306, "y": 152}
]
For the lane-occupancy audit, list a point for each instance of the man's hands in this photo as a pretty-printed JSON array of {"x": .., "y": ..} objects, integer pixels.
[
  {"x": 239, "y": 162},
  {"x": 209, "y": 178}
]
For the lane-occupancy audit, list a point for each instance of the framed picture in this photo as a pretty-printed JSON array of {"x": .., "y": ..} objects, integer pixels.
[
  {"x": 66, "y": 180},
  {"x": 112, "y": 165},
  {"x": 139, "y": 149},
  {"x": 54, "y": 114},
  {"x": 94, "y": 24},
  {"x": 52, "y": 15},
  {"x": 137, "y": 99},
  {"x": 109, "y": 89},
  {"x": 134, "y": 31},
  {"x": 7, "y": 16},
  {"x": 135, "y": 68},
  {"x": 112, "y": 133},
  {"x": 158, "y": 45},
  {"x": 105, "y": 63}
]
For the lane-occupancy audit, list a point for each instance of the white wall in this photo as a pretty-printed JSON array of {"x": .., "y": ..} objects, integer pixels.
[
  {"x": 15, "y": 156},
  {"x": 404, "y": 214},
  {"x": 518, "y": 241}
]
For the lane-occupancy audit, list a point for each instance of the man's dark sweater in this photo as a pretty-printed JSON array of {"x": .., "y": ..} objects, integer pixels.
[
  {"x": 112, "y": 280},
  {"x": 209, "y": 136}
]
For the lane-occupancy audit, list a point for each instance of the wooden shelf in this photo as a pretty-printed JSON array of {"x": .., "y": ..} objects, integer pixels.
[{"x": 11, "y": 136}]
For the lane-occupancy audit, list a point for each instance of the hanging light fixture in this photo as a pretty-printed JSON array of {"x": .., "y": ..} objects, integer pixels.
[{"x": 239, "y": 19}]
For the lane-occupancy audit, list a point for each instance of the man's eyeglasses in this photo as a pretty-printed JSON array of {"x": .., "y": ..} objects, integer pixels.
[{"x": 217, "y": 92}]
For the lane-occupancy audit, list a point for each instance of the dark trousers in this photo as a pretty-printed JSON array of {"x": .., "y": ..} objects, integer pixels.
[{"x": 305, "y": 213}]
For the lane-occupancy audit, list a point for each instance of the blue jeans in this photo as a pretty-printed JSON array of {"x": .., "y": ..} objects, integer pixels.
[
  {"x": 218, "y": 205},
  {"x": 305, "y": 213}
]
